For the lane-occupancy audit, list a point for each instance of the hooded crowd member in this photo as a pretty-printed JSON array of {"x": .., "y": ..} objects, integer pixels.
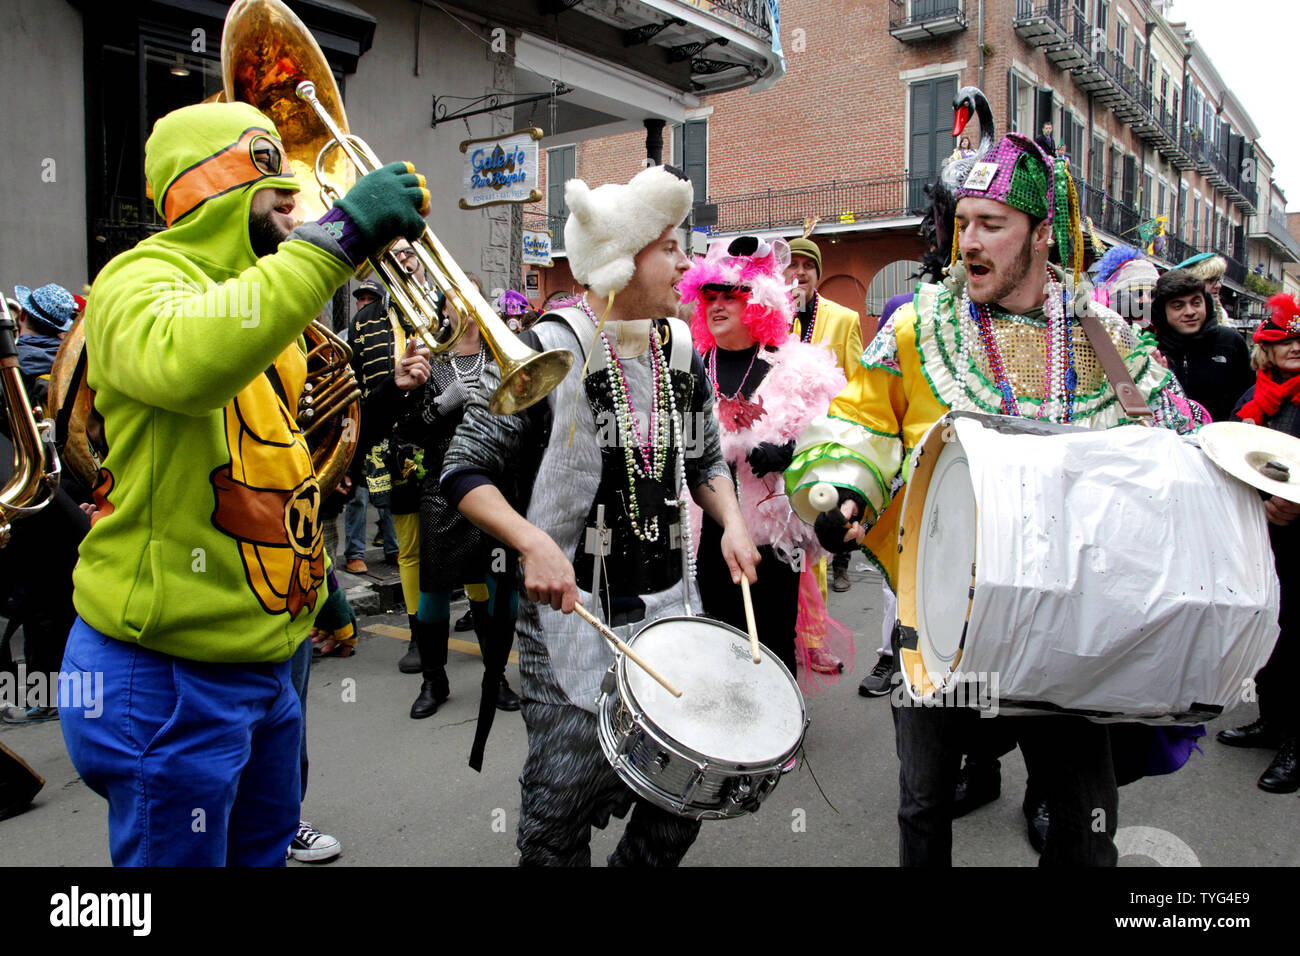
[
  {"x": 598, "y": 500},
  {"x": 980, "y": 341},
  {"x": 203, "y": 569},
  {"x": 767, "y": 386},
  {"x": 1211, "y": 361},
  {"x": 44, "y": 316},
  {"x": 823, "y": 322},
  {"x": 1274, "y": 402}
]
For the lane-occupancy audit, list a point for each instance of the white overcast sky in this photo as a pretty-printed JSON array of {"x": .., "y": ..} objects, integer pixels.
[{"x": 1253, "y": 45}]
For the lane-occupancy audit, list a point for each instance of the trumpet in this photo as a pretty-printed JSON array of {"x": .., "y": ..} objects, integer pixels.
[
  {"x": 35, "y": 476},
  {"x": 268, "y": 55}
]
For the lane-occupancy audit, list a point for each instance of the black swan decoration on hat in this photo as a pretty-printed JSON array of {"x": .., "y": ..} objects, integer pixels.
[{"x": 936, "y": 224}]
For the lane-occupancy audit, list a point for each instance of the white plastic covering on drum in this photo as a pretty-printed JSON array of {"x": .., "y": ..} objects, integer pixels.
[{"x": 1118, "y": 571}]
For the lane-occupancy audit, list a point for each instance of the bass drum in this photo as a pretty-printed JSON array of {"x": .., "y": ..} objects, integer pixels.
[
  {"x": 1118, "y": 574},
  {"x": 718, "y": 750},
  {"x": 329, "y": 412}
]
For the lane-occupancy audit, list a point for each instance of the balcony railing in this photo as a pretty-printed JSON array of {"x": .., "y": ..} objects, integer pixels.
[
  {"x": 920, "y": 19},
  {"x": 1122, "y": 220},
  {"x": 750, "y": 15},
  {"x": 1272, "y": 228},
  {"x": 850, "y": 201}
]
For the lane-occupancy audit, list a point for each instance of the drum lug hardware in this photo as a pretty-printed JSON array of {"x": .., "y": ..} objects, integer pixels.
[
  {"x": 661, "y": 759},
  {"x": 697, "y": 777}
]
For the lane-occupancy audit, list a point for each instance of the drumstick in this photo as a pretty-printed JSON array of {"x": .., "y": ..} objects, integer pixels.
[
  {"x": 749, "y": 616},
  {"x": 613, "y": 639}
]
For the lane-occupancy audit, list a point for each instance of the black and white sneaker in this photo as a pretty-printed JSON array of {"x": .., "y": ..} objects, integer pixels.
[
  {"x": 311, "y": 846},
  {"x": 878, "y": 682}
]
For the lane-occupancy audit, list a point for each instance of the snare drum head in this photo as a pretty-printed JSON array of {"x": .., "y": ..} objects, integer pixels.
[
  {"x": 731, "y": 709},
  {"x": 945, "y": 560}
]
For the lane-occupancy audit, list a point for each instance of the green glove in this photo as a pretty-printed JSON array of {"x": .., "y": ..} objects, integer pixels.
[{"x": 389, "y": 203}]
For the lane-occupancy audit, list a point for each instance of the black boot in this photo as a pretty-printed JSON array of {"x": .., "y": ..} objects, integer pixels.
[
  {"x": 485, "y": 628},
  {"x": 1257, "y": 733},
  {"x": 431, "y": 639},
  {"x": 507, "y": 699},
  {"x": 410, "y": 662},
  {"x": 979, "y": 782},
  {"x": 1283, "y": 774}
]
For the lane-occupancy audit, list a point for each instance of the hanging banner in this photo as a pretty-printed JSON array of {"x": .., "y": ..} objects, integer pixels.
[
  {"x": 537, "y": 248},
  {"x": 501, "y": 169}
]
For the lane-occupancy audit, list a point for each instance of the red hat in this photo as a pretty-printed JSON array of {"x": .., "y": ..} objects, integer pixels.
[{"x": 1285, "y": 322}]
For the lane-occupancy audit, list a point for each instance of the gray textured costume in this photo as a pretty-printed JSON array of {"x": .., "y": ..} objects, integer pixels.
[{"x": 568, "y": 786}]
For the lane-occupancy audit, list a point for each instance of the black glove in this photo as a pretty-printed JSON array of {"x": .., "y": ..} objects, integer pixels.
[
  {"x": 766, "y": 457},
  {"x": 831, "y": 525}
]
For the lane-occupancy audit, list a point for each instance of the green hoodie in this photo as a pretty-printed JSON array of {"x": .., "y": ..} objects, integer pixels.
[{"x": 207, "y": 542}]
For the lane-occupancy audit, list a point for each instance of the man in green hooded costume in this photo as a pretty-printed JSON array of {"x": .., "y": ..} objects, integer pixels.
[{"x": 204, "y": 565}]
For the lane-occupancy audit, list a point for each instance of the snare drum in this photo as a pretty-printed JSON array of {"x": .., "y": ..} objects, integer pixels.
[
  {"x": 718, "y": 750},
  {"x": 1115, "y": 574}
]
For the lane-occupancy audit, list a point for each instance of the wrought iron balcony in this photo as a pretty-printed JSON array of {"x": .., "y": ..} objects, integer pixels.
[
  {"x": 1272, "y": 229},
  {"x": 1120, "y": 221},
  {"x": 914, "y": 20},
  {"x": 695, "y": 46},
  {"x": 844, "y": 202},
  {"x": 1059, "y": 27}
]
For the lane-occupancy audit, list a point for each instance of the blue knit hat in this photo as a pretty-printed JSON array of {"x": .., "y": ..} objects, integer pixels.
[{"x": 50, "y": 309}]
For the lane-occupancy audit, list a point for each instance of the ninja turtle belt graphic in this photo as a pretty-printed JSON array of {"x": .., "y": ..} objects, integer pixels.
[{"x": 268, "y": 498}]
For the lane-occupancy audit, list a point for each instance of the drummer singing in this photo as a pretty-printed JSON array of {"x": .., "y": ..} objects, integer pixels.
[
  {"x": 599, "y": 465},
  {"x": 999, "y": 335}
]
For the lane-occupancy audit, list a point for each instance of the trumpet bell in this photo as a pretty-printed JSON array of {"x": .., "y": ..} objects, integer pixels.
[
  {"x": 526, "y": 381},
  {"x": 266, "y": 51}
]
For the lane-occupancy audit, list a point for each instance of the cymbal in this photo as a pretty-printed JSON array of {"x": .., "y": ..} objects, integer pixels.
[{"x": 1261, "y": 457}]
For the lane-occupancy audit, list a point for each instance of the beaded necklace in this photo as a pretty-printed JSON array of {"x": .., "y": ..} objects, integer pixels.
[
  {"x": 472, "y": 371},
  {"x": 1060, "y": 379},
  {"x": 642, "y": 458},
  {"x": 735, "y": 411},
  {"x": 812, "y": 319},
  {"x": 713, "y": 374}
]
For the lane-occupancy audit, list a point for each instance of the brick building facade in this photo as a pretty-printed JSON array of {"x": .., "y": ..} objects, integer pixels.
[{"x": 863, "y": 118}]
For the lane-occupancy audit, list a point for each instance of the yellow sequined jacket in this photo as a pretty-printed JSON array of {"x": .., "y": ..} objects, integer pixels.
[{"x": 914, "y": 372}]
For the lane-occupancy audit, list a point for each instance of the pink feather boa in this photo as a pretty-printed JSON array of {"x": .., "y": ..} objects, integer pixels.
[{"x": 800, "y": 386}]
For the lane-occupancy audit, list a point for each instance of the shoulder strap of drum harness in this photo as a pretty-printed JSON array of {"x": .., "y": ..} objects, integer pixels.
[{"x": 676, "y": 335}]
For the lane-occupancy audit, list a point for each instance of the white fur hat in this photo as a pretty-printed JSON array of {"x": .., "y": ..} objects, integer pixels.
[{"x": 610, "y": 224}]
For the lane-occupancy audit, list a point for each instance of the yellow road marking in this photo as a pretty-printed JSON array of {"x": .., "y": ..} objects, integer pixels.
[{"x": 454, "y": 643}]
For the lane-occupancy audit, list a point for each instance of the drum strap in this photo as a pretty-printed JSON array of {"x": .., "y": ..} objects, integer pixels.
[{"x": 1130, "y": 398}]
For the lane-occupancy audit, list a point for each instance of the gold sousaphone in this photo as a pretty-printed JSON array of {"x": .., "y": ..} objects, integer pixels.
[
  {"x": 35, "y": 475},
  {"x": 271, "y": 60}
]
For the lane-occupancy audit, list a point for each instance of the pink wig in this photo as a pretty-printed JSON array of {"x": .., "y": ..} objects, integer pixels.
[{"x": 760, "y": 279}]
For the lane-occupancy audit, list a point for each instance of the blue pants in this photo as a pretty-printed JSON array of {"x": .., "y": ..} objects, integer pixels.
[
  {"x": 199, "y": 762},
  {"x": 354, "y": 525}
]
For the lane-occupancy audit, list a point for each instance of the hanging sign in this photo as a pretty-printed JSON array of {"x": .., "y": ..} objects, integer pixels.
[
  {"x": 537, "y": 247},
  {"x": 501, "y": 169}
]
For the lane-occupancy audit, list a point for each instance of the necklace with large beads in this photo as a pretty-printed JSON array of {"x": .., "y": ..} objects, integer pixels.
[
  {"x": 642, "y": 458},
  {"x": 1060, "y": 376}
]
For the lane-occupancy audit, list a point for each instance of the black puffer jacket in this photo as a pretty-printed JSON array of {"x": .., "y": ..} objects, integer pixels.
[{"x": 1212, "y": 365}]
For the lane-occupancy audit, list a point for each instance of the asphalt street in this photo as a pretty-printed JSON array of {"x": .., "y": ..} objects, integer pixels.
[{"x": 398, "y": 792}]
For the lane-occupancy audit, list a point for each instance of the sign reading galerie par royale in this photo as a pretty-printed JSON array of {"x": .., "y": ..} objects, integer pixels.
[
  {"x": 501, "y": 169},
  {"x": 537, "y": 247}
]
